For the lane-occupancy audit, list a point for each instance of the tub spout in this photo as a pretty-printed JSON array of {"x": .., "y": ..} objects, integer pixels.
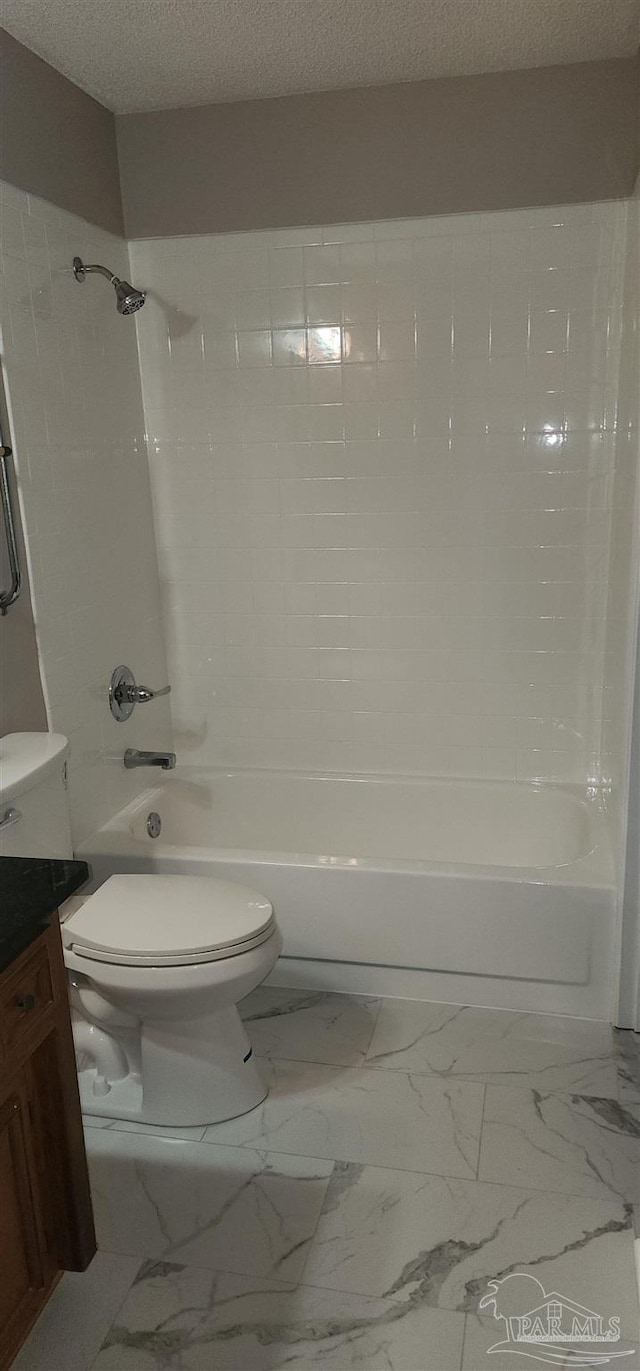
[{"x": 134, "y": 758}]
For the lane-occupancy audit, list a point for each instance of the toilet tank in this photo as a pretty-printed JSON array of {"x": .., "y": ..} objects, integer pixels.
[{"x": 34, "y": 806}]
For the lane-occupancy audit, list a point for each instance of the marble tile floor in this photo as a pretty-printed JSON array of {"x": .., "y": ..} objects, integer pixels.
[{"x": 408, "y": 1154}]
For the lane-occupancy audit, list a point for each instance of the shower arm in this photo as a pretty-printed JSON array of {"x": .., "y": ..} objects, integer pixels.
[
  {"x": 82, "y": 269},
  {"x": 104, "y": 271}
]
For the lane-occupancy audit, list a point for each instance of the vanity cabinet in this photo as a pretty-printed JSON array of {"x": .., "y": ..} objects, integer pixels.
[{"x": 46, "y": 1222}]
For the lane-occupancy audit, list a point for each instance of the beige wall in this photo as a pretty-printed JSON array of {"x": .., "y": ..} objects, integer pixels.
[
  {"x": 57, "y": 142},
  {"x": 554, "y": 135},
  {"x": 499, "y": 141},
  {"x": 21, "y": 699}
]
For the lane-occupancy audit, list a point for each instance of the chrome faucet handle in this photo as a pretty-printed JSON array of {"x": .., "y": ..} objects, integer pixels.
[
  {"x": 125, "y": 693},
  {"x": 139, "y": 695}
]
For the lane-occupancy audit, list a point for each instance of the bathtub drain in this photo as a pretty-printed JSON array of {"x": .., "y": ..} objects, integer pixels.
[{"x": 154, "y": 824}]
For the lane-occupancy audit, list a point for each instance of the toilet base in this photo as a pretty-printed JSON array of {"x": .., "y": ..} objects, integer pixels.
[{"x": 190, "y": 1073}]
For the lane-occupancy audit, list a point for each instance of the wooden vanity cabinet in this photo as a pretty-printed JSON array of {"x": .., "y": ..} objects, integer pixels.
[{"x": 46, "y": 1221}]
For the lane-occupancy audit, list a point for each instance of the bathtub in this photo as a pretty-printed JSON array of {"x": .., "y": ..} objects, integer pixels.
[{"x": 505, "y": 884}]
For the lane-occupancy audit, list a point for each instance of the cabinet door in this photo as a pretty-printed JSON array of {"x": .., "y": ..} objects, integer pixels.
[{"x": 21, "y": 1263}]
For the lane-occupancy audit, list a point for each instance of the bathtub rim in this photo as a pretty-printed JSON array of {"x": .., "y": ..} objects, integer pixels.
[{"x": 594, "y": 868}]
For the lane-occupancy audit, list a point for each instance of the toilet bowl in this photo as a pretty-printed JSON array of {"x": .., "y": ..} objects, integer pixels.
[{"x": 156, "y": 966}]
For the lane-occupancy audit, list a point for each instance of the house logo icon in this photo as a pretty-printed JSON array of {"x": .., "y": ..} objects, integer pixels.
[{"x": 550, "y": 1327}]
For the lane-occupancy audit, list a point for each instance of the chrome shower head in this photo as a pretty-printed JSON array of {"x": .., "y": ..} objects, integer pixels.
[{"x": 128, "y": 299}]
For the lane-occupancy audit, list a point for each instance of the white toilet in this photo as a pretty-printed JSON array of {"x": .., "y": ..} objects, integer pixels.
[{"x": 156, "y": 964}]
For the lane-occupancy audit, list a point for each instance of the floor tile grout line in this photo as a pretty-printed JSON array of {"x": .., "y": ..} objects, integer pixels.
[
  {"x": 435, "y": 1075},
  {"x": 317, "y": 1223},
  {"x": 112, "y": 1127},
  {"x": 566, "y": 1092},
  {"x": 463, "y": 1349},
  {"x": 293, "y": 1286},
  {"x": 350, "y": 1161},
  {"x": 120, "y": 1306},
  {"x": 373, "y": 1030},
  {"x": 460, "y": 1076},
  {"x": 288, "y": 1286},
  {"x": 608, "y": 1198},
  {"x": 603, "y": 1062},
  {"x": 484, "y": 1105},
  {"x": 449, "y": 1077}
]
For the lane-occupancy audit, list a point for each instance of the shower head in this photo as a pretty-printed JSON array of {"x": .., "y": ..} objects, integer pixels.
[{"x": 128, "y": 299}]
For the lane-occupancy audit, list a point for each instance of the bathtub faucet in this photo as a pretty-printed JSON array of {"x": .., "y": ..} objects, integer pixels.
[{"x": 133, "y": 758}]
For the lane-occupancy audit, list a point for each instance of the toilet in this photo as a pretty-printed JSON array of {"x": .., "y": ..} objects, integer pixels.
[{"x": 156, "y": 965}]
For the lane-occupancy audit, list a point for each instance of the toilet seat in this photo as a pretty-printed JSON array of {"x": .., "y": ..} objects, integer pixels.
[{"x": 157, "y": 921}]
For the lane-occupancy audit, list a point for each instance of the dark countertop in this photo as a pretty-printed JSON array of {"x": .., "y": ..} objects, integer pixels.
[{"x": 31, "y": 889}]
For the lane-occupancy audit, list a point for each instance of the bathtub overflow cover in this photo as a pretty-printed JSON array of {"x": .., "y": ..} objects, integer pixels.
[{"x": 154, "y": 824}]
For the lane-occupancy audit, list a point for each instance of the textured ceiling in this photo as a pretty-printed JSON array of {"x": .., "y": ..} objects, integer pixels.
[{"x": 157, "y": 54}]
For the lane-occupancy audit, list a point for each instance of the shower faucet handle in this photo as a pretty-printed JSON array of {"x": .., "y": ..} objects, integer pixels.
[
  {"x": 125, "y": 693},
  {"x": 140, "y": 694}
]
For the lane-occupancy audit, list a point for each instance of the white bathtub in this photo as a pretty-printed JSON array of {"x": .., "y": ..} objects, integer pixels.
[{"x": 510, "y": 885}]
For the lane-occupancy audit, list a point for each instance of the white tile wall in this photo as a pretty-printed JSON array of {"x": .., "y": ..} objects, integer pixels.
[
  {"x": 71, "y": 369},
  {"x": 381, "y": 463},
  {"x": 625, "y": 532}
]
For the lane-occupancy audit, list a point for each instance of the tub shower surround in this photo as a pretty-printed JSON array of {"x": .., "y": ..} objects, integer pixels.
[
  {"x": 316, "y": 1231},
  {"x": 71, "y": 369},
  {"x": 381, "y": 460}
]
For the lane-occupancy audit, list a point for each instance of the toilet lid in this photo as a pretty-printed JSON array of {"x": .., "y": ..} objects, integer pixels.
[{"x": 168, "y": 920}]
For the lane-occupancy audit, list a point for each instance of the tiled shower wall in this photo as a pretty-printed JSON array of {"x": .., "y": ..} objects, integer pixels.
[
  {"x": 381, "y": 462},
  {"x": 71, "y": 369},
  {"x": 622, "y": 605}
]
